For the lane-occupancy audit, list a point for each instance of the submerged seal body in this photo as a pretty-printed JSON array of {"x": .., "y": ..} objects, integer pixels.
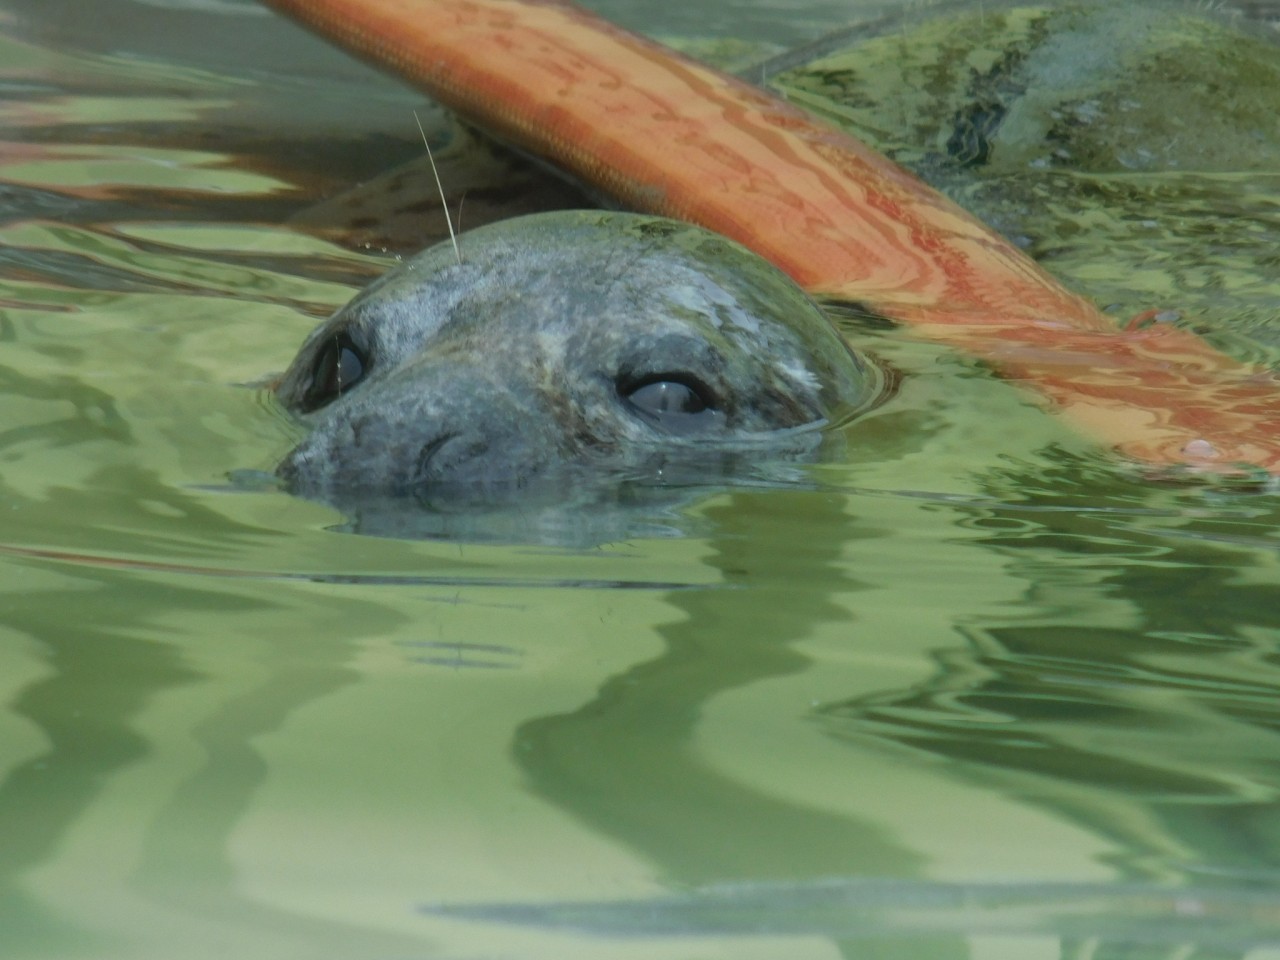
[{"x": 562, "y": 345}]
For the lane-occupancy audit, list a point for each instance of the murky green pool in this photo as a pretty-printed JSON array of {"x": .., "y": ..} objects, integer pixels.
[{"x": 976, "y": 692}]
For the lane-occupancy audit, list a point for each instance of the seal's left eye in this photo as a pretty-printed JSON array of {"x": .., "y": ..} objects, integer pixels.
[{"x": 339, "y": 366}]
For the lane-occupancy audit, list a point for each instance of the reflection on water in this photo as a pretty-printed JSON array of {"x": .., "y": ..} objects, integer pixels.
[
  {"x": 637, "y": 738},
  {"x": 1146, "y": 676},
  {"x": 1058, "y": 127},
  {"x": 975, "y": 692},
  {"x": 1144, "y": 917}
]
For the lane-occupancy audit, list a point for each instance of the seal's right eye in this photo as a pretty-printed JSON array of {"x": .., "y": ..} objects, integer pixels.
[
  {"x": 680, "y": 403},
  {"x": 339, "y": 366},
  {"x": 661, "y": 397}
]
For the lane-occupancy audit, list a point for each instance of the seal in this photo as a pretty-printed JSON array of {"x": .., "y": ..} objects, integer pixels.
[{"x": 565, "y": 345}]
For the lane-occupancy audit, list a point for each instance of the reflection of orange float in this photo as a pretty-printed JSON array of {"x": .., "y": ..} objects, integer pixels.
[{"x": 664, "y": 134}]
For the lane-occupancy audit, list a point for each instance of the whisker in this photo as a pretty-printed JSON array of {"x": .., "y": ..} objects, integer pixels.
[{"x": 453, "y": 237}]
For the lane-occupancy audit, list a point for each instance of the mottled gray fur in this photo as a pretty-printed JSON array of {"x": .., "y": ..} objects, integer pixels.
[{"x": 521, "y": 365}]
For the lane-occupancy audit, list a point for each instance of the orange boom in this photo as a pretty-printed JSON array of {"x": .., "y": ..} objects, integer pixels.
[{"x": 665, "y": 134}]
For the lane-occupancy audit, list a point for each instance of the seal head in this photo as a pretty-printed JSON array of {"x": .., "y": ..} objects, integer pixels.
[{"x": 562, "y": 346}]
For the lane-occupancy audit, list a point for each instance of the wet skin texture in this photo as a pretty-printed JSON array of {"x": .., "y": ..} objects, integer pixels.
[{"x": 566, "y": 345}]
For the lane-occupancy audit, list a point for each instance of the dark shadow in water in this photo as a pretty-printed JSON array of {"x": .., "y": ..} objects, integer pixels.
[
  {"x": 625, "y": 764},
  {"x": 87, "y": 725},
  {"x": 93, "y": 413},
  {"x": 108, "y": 662}
]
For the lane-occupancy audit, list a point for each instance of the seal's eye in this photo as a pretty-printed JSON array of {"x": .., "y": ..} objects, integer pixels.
[
  {"x": 667, "y": 396},
  {"x": 678, "y": 402},
  {"x": 339, "y": 366}
]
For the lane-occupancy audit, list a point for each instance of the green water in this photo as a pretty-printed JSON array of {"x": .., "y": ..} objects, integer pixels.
[{"x": 976, "y": 692}]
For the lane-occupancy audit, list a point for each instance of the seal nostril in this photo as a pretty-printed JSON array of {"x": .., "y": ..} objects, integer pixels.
[{"x": 428, "y": 453}]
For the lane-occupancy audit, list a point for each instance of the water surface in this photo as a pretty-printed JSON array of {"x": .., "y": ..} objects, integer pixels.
[{"x": 975, "y": 691}]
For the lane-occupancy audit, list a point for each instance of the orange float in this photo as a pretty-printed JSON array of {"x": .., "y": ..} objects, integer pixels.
[{"x": 664, "y": 134}]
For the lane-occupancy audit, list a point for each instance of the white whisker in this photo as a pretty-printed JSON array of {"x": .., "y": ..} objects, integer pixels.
[{"x": 440, "y": 187}]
